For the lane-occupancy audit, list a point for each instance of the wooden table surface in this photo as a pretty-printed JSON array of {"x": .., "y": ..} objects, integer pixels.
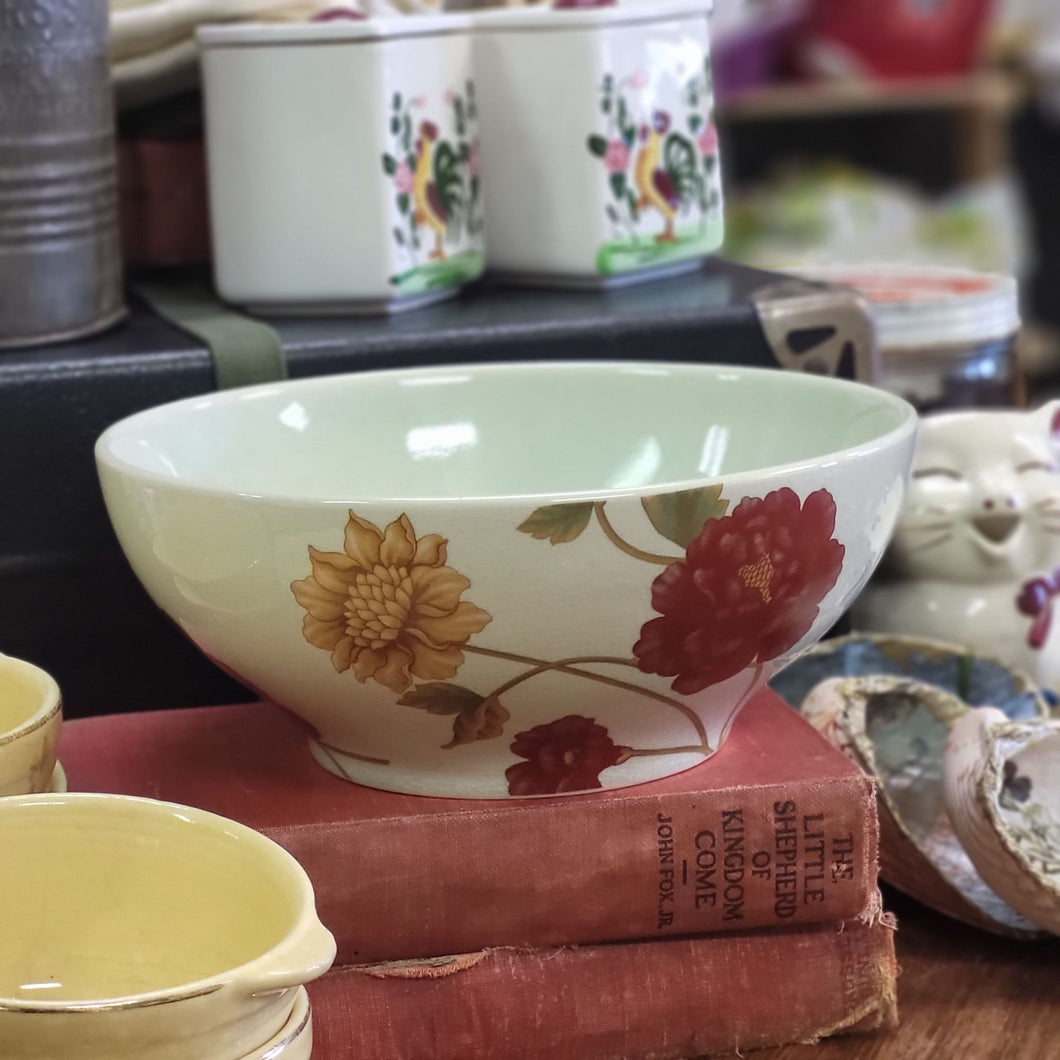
[{"x": 962, "y": 995}]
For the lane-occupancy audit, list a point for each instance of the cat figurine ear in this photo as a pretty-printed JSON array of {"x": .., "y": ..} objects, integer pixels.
[{"x": 1048, "y": 417}]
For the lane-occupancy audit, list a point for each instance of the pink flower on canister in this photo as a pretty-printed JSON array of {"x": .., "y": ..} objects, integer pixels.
[
  {"x": 708, "y": 140},
  {"x": 565, "y": 755},
  {"x": 638, "y": 80},
  {"x": 616, "y": 158},
  {"x": 748, "y": 590},
  {"x": 474, "y": 159},
  {"x": 403, "y": 178}
]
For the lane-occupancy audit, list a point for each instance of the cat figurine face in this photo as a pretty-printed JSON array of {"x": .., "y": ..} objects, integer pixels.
[
  {"x": 983, "y": 503},
  {"x": 975, "y": 558}
]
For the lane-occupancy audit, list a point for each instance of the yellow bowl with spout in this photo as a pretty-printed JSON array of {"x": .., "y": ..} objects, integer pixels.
[{"x": 142, "y": 930}]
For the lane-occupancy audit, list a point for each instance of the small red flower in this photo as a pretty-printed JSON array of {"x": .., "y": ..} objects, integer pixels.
[
  {"x": 747, "y": 590},
  {"x": 564, "y": 755}
]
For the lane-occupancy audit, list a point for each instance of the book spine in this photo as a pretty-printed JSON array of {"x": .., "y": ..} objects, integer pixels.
[
  {"x": 652, "y": 1000},
  {"x": 630, "y": 868}
]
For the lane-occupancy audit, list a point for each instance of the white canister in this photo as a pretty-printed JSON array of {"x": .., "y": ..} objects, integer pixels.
[
  {"x": 599, "y": 149},
  {"x": 343, "y": 163}
]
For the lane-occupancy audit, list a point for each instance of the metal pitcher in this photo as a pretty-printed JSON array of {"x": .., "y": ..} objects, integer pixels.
[{"x": 60, "y": 261}]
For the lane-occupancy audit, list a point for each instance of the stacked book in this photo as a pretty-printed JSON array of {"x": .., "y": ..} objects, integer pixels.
[{"x": 730, "y": 907}]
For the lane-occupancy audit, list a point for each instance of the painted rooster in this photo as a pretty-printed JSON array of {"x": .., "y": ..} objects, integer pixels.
[
  {"x": 429, "y": 186},
  {"x": 655, "y": 179}
]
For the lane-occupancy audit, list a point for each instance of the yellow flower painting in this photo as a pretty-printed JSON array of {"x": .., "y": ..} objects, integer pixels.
[{"x": 387, "y": 606}]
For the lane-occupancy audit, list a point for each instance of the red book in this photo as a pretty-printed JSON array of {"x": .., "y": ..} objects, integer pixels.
[
  {"x": 777, "y": 828},
  {"x": 654, "y": 1000}
]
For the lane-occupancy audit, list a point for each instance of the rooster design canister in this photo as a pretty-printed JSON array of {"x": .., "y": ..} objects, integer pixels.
[
  {"x": 343, "y": 162},
  {"x": 599, "y": 148},
  {"x": 60, "y": 260}
]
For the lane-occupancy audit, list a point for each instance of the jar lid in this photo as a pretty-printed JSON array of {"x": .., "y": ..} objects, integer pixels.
[
  {"x": 917, "y": 306},
  {"x": 546, "y": 17},
  {"x": 331, "y": 31}
]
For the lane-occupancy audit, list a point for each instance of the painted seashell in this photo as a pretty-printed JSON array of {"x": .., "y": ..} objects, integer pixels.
[
  {"x": 896, "y": 729},
  {"x": 1002, "y": 792}
]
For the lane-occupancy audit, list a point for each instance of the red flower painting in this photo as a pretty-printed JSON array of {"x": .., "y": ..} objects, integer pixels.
[
  {"x": 747, "y": 591},
  {"x": 565, "y": 755}
]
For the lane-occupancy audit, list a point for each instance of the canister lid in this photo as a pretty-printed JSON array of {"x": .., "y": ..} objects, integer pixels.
[
  {"x": 546, "y": 18},
  {"x": 330, "y": 31},
  {"x": 920, "y": 306}
]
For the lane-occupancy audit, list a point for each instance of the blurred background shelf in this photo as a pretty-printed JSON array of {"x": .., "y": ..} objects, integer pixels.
[{"x": 992, "y": 91}]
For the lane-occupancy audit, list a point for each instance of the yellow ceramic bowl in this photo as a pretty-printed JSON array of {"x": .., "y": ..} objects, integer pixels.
[
  {"x": 142, "y": 930},
  {"x": 30, "y": 718},
  {"x": 294, "y": 1040}
]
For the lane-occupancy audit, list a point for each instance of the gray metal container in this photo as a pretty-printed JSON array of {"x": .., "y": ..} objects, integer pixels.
[{"x": 60, "y": 257}]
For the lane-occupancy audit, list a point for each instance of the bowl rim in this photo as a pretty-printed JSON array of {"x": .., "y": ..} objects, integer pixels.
[
  {"x": 276, "y": 860},
  {"x": 51, "y": 699},
  {"x": 904, "y": 429}
]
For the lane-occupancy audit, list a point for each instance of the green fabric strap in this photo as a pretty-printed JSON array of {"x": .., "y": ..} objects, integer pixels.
[{"x": 244, "y": 350}]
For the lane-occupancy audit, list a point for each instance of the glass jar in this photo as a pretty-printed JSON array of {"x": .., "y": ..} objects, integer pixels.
[{"x": 947, "y": 337}]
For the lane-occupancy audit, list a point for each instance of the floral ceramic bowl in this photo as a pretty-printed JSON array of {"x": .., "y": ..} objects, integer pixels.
[
  {"x": 143, "y": 930},
  {"x": 503, "y": 580}
]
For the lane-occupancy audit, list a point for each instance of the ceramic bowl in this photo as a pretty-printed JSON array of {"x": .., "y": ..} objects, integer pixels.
[
  {"x": 521, "y": 579},
  {"x": 599, "y": 149},
  {"x": 31, "y": 717},
  {"x": 294, "y": 1041},
  {"x": 343, "y": 163},
  {"x": 142, "y": 930}
]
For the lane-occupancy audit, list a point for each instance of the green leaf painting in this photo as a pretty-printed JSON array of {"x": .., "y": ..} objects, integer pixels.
[
  {"x": 558, "y": 523},
  {"x": 597, "y": 145},
  {"x": 680, "y": 160},
  {"x": 475, "y": 717},
  {"x": 484, "y": 722},
  {"x": 449, "y": 176},
  {"x": 680, "y": 516},
  {"x": 438, "y": 697}
]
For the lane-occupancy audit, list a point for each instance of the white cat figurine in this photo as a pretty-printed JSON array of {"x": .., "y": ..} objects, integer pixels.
[{"x": 975, "y": 559}]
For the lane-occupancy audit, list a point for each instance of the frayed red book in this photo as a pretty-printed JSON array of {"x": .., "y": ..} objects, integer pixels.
[
  {"x": 658, "y": 1000},
  {"x": 778, "y": 828}
]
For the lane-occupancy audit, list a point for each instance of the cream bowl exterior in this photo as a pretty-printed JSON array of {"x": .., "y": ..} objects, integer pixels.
[
  {"x": 521, "y": 579},
  {"x": 599, "y": 149},
  {"x": 324, "y": 142},
  {"x": 31, "y": 716},
  {"x": 143, "y": 930},
  {"x": 294, "y": 1041}
]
